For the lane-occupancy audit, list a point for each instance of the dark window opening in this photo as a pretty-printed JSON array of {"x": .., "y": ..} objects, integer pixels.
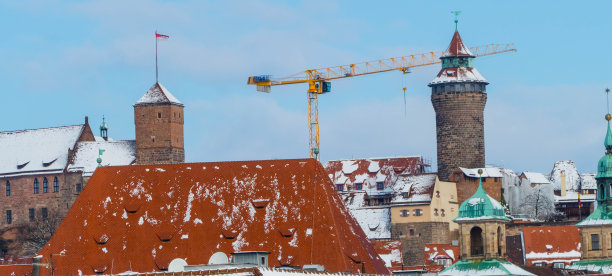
[
  {"x": 340, "y": 187},
  {"x": 45, "y": 185},
  {"x": 358, "y": 186},
  {"x": 499, "y": 241},
  {"x": 405, "y": 213},
  {"x": 9, "y": 217},
  {"x": 44, "y": 213},
  {"x": 594, "y": 241},
  {"x": 418, "y": 212},
  {"x": 411, "y": 232},
  {"x": 158, "y": 114},
  {"x": 263, "y": 260},
  {"x": 36, "y": 185},
  {"x": 31, "y": 211},
  {"x": 55, "y": 185},
  {"x": 442, "y": 212},
  {"x": 379, "y": 186},
  {"x": 8, "y": 188},
  {"x": 476, "y": 245},
  {"x": 438, "y": 194},
  {"x": 78, "y": 188}
]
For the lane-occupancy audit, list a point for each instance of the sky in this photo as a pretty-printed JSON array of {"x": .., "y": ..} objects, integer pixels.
[{"x": 63, "y": 60}]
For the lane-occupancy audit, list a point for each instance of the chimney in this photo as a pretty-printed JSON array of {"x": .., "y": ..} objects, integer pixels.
[
  {"x": 86, "y": 120},
  {"x": 563, "y": 185}
]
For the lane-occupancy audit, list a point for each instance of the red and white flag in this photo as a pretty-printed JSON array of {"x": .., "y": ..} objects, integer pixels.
[{"x": 161, "y": 36}]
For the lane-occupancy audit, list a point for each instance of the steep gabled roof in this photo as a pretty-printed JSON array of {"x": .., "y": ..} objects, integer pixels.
[
  {"x": 480, "y": 206},
  {"x": 390, "y": 251},
  {"x": 434, "y": 252},
  {"x": 141, "y": 217},
  {"x": 456, "y": 48},
  {"x": 572, "y": 177},
  {"x": 535, "y": 178},
  {"x": 552, "y": 244},
  {"x": 43, "y": 149},
  {"x": 158, "y": 94}
]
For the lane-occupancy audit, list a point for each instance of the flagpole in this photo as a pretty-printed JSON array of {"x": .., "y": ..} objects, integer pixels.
[{"x": 156, "y": 71}]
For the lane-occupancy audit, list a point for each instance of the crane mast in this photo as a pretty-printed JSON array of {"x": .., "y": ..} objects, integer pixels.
[{"x": 318, "y": 80}]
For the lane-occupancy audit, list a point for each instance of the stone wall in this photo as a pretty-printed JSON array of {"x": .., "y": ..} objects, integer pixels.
[
  {"x": 159, "y": 134},
  {"x": 459, "y": 130},
  {"x": 466, "y": 186},
  {"x": 413, "y": 242}
]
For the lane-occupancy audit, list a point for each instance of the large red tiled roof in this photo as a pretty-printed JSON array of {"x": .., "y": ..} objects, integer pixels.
[
  {"x": 139, "y": 218},
  {"x": 552, "y": 244},
  {"x": 15, "y": 266}
]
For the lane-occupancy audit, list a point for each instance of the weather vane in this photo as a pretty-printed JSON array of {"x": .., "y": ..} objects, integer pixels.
[{"x": 456, "y": 13}]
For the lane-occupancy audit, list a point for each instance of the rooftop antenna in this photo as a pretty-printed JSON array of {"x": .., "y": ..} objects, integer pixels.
[{"x": 456, "y": 13}]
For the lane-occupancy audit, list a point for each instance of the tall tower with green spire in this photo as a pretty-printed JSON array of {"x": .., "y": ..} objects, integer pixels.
[
  {"x": 458, "y": 95},
  {"x": 596, "y": 229}
]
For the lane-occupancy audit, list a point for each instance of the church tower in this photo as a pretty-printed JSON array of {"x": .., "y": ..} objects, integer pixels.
[
  {"x": 596, "y": 229},
  {"x": 158, "y": 117},
  {"x": 458, "y": 95}
]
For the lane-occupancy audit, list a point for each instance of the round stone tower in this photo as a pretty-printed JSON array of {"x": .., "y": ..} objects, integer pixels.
[
  {"x": 458, "y": 95},
  {"x": 158, "y": 116}
]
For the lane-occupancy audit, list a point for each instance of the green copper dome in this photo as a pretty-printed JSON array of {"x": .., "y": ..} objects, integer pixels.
[
  {"x": 481, "y": 206},
  {"x": 604, "y": 166}
]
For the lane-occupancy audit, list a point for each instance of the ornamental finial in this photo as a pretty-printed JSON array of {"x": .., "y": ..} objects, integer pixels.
[{"x": 456, "y": 13}]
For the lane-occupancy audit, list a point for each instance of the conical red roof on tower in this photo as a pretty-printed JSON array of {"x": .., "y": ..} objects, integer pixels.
[{"x": 457, "y": 48}]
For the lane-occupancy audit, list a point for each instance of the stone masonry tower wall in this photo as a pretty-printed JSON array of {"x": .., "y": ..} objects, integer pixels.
[
  {"x": 458, "y": 95},
  {"x": 159, "y": 119},
  {"x": 459, "y": 130}
]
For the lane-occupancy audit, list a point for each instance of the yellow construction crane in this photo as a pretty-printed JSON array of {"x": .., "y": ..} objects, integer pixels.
[{"x": 318, "y": 80}]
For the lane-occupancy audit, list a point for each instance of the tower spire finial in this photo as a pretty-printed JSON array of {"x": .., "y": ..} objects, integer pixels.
[{"x": 456, "y": 13}]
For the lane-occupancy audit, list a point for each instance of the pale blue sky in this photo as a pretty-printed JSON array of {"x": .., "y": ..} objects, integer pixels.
[{"x": 63, "y": 60}]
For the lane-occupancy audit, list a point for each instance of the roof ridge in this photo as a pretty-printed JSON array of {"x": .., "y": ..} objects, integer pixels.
[{"x": 41, "y": 128}]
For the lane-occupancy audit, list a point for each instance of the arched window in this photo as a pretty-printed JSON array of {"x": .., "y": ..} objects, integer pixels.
[
  {"x": 499, "y": 241},
  {"x": 476, "y": 245},
  {"x": 8, "y": 188},
  {"x": 55, "y": 185},
  {"x": 36, "y": 185},
  {"x": 45, "y": 185}
]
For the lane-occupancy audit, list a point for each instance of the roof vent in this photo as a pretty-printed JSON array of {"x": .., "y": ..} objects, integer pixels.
[
  {"x": 354, "y": 257},
  {"x": 132, "y": 208},
  {"x": 99, "y": 269},
  {"x": 313, "y": 267},
  {"x": 218, "y": 258},
  {"x": 21, "y": 166},
  {"x": 162, "y": 263},
  {"x": 101, "y": 239},
  {"x": 165, "y": 236},
  {"x": 285, "y": 231},
  {"x": 260, "y": 203},
  {"x": 47, "y": 164},
  {"x": 229, "y": 234}
]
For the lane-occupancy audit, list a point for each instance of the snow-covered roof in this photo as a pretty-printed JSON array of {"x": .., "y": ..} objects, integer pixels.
[
  {"x": 419, "y": 189},
  {"x": 141, "y": 217},
  {"x": 551, "y": 244},
  {"x": 536, "y": 178},
  {"x": 390, "y": 251},
  {"x": 116, "y": 153},
  {"x": 587, "y": 181},
  {"x": 457, "y": 47},
  {"x": 572, "y": 178},
  {"x": 375, "y": 222},
  {"x": 461, "y": 74},
  {"x": 43, "y": 149},
  {"x": 371, "y": 171},
  {"x": 572, "y": 196},
  {"x": 434, "y": 252},
  {"x": 158, "y": 94},
  {"x": 486, "y": 172},
  {"x": 484, "y": 267}
]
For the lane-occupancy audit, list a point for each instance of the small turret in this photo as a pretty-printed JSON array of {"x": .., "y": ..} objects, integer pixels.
[{"x": 104, "y": 129}]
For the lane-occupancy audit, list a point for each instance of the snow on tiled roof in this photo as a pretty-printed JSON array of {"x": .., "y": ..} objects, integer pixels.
[
  {"x": 158, "y": 94},
  {"x": 486, "y": 172},
  {"x": 457, "y": 47},
  {"x": 390, "y": 251},
  {"x": 572, "y": 178},
  {"x": 375, "y": 222},
  {"x": 536, "y": 178},
  {"x": 44, "y": 149},
  {"x": 588, "y": 181},
  {"x": 435, "y": 251},
  {"x": 116, "y": 153},
  {"x": 552, "y": 244},
  {"x": 141, "y": 217},
  {"x": 461, "y": 74},
  {"x": 419, "y": 188},
  {"x": 371, "y": 170}
]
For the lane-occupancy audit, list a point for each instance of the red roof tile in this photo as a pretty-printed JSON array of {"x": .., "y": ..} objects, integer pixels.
[
  {"x": 16, "y": 266},
  {"x": 372, "y": 170},
  {"x": 551, "y": 244},
  {"x": 457, "y": 48},
  {"x": 139, "y": 218}
]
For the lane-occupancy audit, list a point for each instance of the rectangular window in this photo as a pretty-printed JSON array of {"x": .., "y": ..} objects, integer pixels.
[
  {"x": 44, "y": 213},
  {"x": 379, "y": 185},
  {"x": 78, "y": 188},
  {"x": 404, "y": 213},
  {"x": 594, "y": 241},
  {"x": 418, "y": 212},
  {"x": 340, "y": 187},
  {"x": 45, "y": 185},
  {"x": 31, "y": 211},
  {"x": 559, "y": 265},
  {"x": 358, "y": 186},
  {"x": 411, "y": 232},
  {"x": 9, "y": 217},
  {"x": 8, "y": 188},
  {"x": 55, "y": 185},
  {"x": 36, "y": 185}
]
